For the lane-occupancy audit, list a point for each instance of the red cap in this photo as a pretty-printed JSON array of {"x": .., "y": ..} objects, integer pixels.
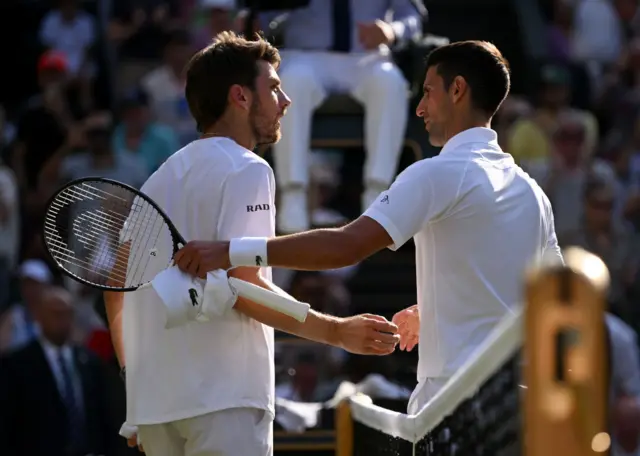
[{"x": 53, "y": 60}]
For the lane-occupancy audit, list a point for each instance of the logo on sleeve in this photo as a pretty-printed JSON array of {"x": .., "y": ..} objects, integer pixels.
[
  {"x": 258, "y": 208},
  {"x": 258, "y": 260},
  {"x": 385, "y": 199},
  {"x": 193, "y": 295}
]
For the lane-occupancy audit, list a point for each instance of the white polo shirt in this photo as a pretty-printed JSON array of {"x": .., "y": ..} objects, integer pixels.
[
  {"x": 211, "y": 189},
  {"x": 477, "y": 221}
]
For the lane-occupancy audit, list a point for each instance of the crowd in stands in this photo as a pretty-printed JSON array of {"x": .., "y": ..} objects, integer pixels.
[{"x": 577, "y": 134}]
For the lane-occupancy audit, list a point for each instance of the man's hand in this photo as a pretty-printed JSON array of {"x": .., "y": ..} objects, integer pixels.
[
  {"x": 197, "y": 258},
  {"x": 408, "y": 321},
  {"x": 367, "y": 334},
  {"x": 373, "y": 34},
  {"x": 132, "y": 442}
]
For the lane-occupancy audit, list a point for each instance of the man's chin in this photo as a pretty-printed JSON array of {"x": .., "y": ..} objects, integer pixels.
[{"x": 269, "y": 140}]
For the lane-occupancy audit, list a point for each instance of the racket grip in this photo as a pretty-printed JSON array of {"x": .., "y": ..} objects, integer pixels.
[{"x": 291, "y": 307}]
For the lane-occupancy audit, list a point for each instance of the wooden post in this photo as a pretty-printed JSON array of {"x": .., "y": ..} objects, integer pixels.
[
  {"x": 566, "y": 364},
  {"x": 344, "y": 429}
]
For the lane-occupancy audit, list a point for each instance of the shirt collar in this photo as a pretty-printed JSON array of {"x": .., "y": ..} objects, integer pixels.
[
  {"x": 482, "y": 135},
  {"x": 53, "y": 350}
]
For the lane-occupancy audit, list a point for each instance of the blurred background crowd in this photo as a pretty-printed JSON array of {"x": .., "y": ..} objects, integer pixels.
[{"x": 95, "y": 88}]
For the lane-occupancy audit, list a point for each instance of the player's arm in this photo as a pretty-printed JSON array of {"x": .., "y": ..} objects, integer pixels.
[
  {"x": 396, "y": 216},
  {"x": 113, "y": 301},
  {"x": 362, "y": 334}
]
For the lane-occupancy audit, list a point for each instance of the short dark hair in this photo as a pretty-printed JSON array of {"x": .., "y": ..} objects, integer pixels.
[
  {"x": 230, "y": 59},
  {"x": 481, "y": 64}
]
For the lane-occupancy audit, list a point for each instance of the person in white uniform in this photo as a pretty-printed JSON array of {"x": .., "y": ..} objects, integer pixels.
[
  {"x": 476, "y": 218},
  {"x": 207, "y": 388}
]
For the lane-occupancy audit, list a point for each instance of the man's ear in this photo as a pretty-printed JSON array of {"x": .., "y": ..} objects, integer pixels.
[
  {"x": 458, "y": 88},
  {"x": 239, "y": 96}
]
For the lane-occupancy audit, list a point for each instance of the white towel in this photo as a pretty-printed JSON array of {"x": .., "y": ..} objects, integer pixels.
[
  {"x": 187, "y": 298},
  {"x": 127, "y": 431}
]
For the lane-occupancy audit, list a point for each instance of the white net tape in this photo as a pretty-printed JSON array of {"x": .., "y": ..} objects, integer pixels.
[{"x": 501, "y": 345}]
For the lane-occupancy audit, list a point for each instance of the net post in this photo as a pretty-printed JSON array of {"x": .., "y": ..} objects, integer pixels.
[
  {"x": 344, "y": 429},
  {"x": 566, "y": 367}
]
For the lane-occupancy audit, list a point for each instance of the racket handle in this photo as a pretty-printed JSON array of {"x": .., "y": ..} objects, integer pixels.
[{"x": 288, "y": 306}]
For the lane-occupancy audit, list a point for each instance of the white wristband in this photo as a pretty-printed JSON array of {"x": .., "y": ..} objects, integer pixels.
[{"x": 248, "y": 251}]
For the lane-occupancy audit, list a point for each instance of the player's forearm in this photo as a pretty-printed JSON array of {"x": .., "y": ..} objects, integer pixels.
[
  {"x": 317, "y": 327},
  {"x": 113, "y": 302},
  {"x": 316, "y": 250}
]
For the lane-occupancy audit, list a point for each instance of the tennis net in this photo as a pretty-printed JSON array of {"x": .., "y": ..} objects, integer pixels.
[{"x": 477, "y": 413}]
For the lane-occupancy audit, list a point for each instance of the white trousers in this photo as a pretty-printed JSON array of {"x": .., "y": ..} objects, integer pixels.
[
  {"x": 232, "y": 432},
  {"x": 375, "y": 81}
]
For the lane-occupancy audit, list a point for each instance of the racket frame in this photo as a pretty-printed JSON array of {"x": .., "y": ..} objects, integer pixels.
[{"x": 176, "y": 237}]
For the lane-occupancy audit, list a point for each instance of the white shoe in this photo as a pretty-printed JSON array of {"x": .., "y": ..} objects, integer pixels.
[{"x": 293, "y": 213}]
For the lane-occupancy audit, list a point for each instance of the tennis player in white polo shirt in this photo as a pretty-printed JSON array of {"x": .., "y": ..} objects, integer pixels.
[
  {"x": 207, "y": 389},
  {"x": 476, "y": 218}
]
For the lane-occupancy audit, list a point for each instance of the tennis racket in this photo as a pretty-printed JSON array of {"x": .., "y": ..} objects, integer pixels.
[{"x": 110, "y": 236}]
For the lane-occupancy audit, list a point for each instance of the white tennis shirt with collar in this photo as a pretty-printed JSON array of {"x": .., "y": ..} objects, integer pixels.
[
  {"x": 211, "y": 189},
  {"x": 477, "y": 220}
]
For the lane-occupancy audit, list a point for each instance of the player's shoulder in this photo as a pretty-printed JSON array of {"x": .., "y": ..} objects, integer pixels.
[
  {"x": 237, "y": 159},
  {"x": 210, "y": 161},
  {"x": 437, "y": 170}
]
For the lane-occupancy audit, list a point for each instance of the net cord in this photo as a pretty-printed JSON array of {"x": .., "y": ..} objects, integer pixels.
[{"x": 503, "y": 343}]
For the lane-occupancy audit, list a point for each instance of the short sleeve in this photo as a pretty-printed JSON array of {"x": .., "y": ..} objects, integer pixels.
[
  {"x": 248, "y": 203},
  {"x": 552, "y": 249},
  {"x": 413, "y": 200}
]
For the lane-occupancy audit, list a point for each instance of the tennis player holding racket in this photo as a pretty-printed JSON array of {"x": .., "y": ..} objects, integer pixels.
[{"x": 208, "y": 388}]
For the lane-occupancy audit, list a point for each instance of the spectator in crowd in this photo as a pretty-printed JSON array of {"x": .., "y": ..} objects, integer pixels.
[
  {"x": 53, "y": 395},
  {"x": 564, "y": 174},
  {"x": 138, "y": 134},
  {"x": 100, "y": 159},
  {"x": 44, "y": 123},
  {"x": 353, "y": 59},
  {"x": 560, "y": 32},
  {"x": 18, "y": 326},
  {"x": 71, "y": 31},
  {"x": 137, "y": 29},
  {"x": 307, "y": 380},
  {"x": 610, "y": 239},
  {"x": 618, "y": 97},
  {"x": 530, "y": 138},
  {"x": 217, "y": 17},
  {"x": 619, "y": 150},
  {"x": 165, "y": 87},
  {"x": 9, "y": 229},
  {"x": 598, "y": 33},
  {"x": 624, "y": 387}
]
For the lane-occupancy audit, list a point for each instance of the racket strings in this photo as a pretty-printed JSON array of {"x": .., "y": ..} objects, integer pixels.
[{"x": 106, "y": 216}]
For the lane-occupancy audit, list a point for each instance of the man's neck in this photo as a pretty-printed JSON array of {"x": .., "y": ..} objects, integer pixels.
[
  {"x": 465, "y": 124},
  {"x": 232, "y": 130}
]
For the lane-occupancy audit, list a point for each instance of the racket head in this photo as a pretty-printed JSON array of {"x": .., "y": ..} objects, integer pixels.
[{"x": 108, "y": 235}]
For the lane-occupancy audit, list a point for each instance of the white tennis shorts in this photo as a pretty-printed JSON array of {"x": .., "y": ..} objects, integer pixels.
[{"x": 232, "y": 432}]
